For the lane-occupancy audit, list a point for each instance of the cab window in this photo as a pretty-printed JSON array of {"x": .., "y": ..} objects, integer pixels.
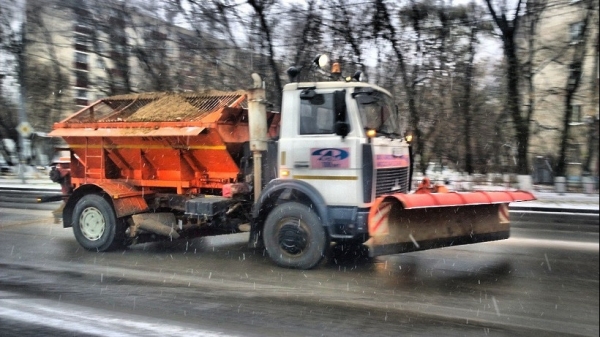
[{"x": 317, "y": 115}]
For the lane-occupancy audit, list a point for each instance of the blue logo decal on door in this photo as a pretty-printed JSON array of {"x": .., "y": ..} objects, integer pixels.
[{"x": 330, "y": 158}]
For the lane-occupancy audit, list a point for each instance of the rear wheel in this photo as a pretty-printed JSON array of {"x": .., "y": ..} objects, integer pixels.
[
  {"x": 95, "y": 224},
  {"x": 294, "y": 236}
]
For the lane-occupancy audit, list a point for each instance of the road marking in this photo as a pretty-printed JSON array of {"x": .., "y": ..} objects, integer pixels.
[
  {"x": 576, "y": 245},
  {"x": 25, "y": 223},
  {"x": 88, "y": 321}
]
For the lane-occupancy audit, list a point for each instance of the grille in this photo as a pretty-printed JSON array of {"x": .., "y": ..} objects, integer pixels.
[{"x": 389, "y": 178}]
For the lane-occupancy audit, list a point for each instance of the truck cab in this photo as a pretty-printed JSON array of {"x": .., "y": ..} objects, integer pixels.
[
  {"x": 343, "y": 168},
  {"x": 339, "y": 149}
]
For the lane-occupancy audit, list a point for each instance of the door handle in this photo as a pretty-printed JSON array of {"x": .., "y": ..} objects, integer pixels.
[{"x": 301, "y": 165}]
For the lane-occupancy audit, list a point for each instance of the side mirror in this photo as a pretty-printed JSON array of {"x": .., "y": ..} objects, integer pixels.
[
  {"x": 339, "y": 105},
  {"x": 342, "y": 128},
  {"x": 365, "y": 99},
  {"x": 308, "y": 93}
]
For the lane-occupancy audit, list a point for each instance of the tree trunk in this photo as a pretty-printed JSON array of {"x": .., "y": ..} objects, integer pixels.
[
  {"x": 266, "y": 30},
  {"x": 513, "y": 104},
  {"x": 561, "y": 167},
  {"x": 573, "y": 84},
  {"x": 514, "y": 107}
]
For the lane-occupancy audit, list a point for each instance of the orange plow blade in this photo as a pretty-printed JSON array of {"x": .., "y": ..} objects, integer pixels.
[{"x": 400, "y": 223}]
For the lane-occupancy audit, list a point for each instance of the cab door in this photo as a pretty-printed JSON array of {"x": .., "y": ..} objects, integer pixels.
[{"x": 319, "y": 156}]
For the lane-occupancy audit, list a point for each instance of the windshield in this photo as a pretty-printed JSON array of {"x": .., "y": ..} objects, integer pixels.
[{"x": 377, "y": 112}]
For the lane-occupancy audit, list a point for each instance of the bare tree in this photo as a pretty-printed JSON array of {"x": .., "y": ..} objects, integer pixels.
[
  {"x": 533, "y": 14},
  {"x": 10, "y": 47},
  {"x": 266, "y": 32},
  {"x": 221, "y": 33},
  {"x": 152, "y": 51},
  {"x": 508, "y": 34},
  {"x": 306, "y": 26},
  {"x": 593, "y": 131},
  {"x": 384, "y": 29},
  {"x": 105, "y": 26},
  {"x": 349, "y": 32},
  {"x": 441, "y": 84},
  {"x": 472, "y": 25},
  {"x": 425, "y": 53},
  {"x": 424, "y": 38},
  {"x": 46, "y": 82}
]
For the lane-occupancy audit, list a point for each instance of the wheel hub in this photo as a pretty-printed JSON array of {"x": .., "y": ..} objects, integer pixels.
[
  {"x": 293, "y": 238},
  {"x": 92, "y": 223}
]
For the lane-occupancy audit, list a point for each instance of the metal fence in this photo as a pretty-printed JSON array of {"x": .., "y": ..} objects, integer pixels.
[
  {"x": 463, "y": 183},
  {"x": 459, "y": 183}
]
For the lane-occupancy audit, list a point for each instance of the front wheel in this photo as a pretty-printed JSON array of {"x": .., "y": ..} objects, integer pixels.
[
  {"x": 294, "y": 236},
  {"x": 95, "y": 224}
]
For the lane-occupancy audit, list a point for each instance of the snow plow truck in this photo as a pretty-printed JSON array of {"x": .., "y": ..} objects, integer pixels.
[{"x": 330, "y": 168}]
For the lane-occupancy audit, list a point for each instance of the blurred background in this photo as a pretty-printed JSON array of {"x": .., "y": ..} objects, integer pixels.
[{"x": 491, "y": 89}]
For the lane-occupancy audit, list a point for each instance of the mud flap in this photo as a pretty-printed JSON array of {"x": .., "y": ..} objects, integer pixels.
[{"x": 403, "y": 223}]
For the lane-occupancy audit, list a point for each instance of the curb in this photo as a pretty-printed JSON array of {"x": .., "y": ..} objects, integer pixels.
[{"x": 556, "y": 209}]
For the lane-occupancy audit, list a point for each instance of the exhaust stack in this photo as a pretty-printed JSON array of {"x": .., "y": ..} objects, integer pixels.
[{"x": 257, "y": 123}]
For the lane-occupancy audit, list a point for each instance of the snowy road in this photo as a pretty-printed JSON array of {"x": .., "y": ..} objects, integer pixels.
[{"x": 539, "y": 282}]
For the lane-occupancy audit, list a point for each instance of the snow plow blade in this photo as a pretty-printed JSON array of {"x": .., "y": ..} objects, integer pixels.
[{"x": 401, "y": 223}]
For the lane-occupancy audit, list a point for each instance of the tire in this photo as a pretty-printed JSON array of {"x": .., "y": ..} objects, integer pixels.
[
  {"x": 294, "y": 236},
  {"x": 95, "y": 224}
]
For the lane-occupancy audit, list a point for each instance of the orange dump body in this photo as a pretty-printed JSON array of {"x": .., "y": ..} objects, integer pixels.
[{"x": 184, "y": 141}]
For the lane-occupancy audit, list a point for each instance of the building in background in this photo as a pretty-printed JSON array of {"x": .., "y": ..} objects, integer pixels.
[
  {"x": 559, "y": 40},
  {"x": 80, "y": 51}
]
